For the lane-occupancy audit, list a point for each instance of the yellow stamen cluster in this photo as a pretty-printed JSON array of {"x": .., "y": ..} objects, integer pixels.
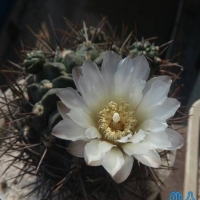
[{"x": 116, "y": 121}]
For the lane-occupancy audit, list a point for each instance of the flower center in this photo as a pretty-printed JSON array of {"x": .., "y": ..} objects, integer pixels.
[{"x": 116, "y": 121}]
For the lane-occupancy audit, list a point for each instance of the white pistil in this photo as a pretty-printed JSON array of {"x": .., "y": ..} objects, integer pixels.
[{"x": 116, "y": 119}]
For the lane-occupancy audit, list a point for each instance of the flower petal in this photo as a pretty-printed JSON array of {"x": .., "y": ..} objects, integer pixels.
[
  {"x": 104, "y": 146},
  {"x": 164, "y": 111},
  {"x": 95, "y": 150},
  {"x": 125, "y": 171},
  {"x": 158, "y": 140},
  {"x": 90, "y": 97},
  {"x": 156, "y": 94},
  {"x": 142, "y": 69},
  {"x": 130, "y": 79},
  {"x": 113, "y": 161},
  {"x": 63, "y": 110},
  {"x": 160, "y": 112},
  {"x": 125, "y": 139},
  {"x": 109, "y": 67},
  {"x": 80, "y": 117},
  {"x": 135, "y": 93},
  {"x": 93, "y": 77},
  {"x": 68, "y": 130},
  {"x": 92, "y": 153},
  {"x": 92, "y": 133},
  {"x": 165, "y": 79},
  {"x": 122, "y": 76},
  {"x": 151, "y": 159},
  {"x": 138, "y": 148},
  {"x": 85, "y": 88},
  {"x": 137, "y": 137},
  {"x": 77, "y": 148},
  {"x": 153, "y": 125},
  {"x": 175, "y": 138},
  {"x": 72, "y": 99}
]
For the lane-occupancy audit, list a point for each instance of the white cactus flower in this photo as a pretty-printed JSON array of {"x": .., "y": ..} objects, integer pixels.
[{"x": 119, "y": 116}]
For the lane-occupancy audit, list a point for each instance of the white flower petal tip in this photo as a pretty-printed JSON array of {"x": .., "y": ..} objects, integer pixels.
[
  {"x": 158, "y": 140},
  {"x": 151, "y": 125},
  {"x": 63, "y": 110},
  {"x": 125, "y": 139},
  {"x": 92, "y": 133},
  {"x": 137, "y": 137},
  {"x": 92, "y": 153},
  {"x": 150, "y": 159},
  {"x": 68, "y": 130},
  {"x": 95, "y": 151},
  {"x": 113, "y": 161},
  {"x": 125, "y": 171},
  {"x": 132, "y": 149},
  {"x": 175, "y": 139},
  {"x": 142, "y": 69},
  {"x": 80, "y": 117},
  {"x": 71, "y": 99}
]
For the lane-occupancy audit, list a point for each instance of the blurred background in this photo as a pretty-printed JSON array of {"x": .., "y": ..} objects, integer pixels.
[{"x": 166, "y": 19}]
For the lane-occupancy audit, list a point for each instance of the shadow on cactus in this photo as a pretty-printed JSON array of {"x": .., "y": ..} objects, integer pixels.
[{"x": 29, "y": 108}]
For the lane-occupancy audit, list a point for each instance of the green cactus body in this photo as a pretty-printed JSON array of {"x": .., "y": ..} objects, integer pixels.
[
  {"x": 34, "y": 61},
  {"x": 88, "y": 51},
  {"x": 71, "y": 60},
  {"x": 60, "y": 171}
]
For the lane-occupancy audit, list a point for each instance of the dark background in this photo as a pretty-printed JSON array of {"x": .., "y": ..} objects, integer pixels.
[{"x": 166, "y": 19}]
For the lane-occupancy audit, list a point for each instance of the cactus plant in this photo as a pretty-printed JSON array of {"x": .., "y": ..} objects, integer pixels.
[{"x": 31, "y": 113}]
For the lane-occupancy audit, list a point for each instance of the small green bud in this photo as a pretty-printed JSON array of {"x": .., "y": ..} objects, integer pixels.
[
  {"x": 71, "y": 60},
  {"x": 49, "y": 99},
  {"x": 88, "y": 51},
  {"x": 63, "y": 82},
  {"x": 99, "y": 59},
  {"x": 34, "y": 61},
  {"x": 52, "y": 70},
  {"x": 139, "y": 45},
  {"x": 147, "y": 44},
  {"x": 36, "y": 91}
]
